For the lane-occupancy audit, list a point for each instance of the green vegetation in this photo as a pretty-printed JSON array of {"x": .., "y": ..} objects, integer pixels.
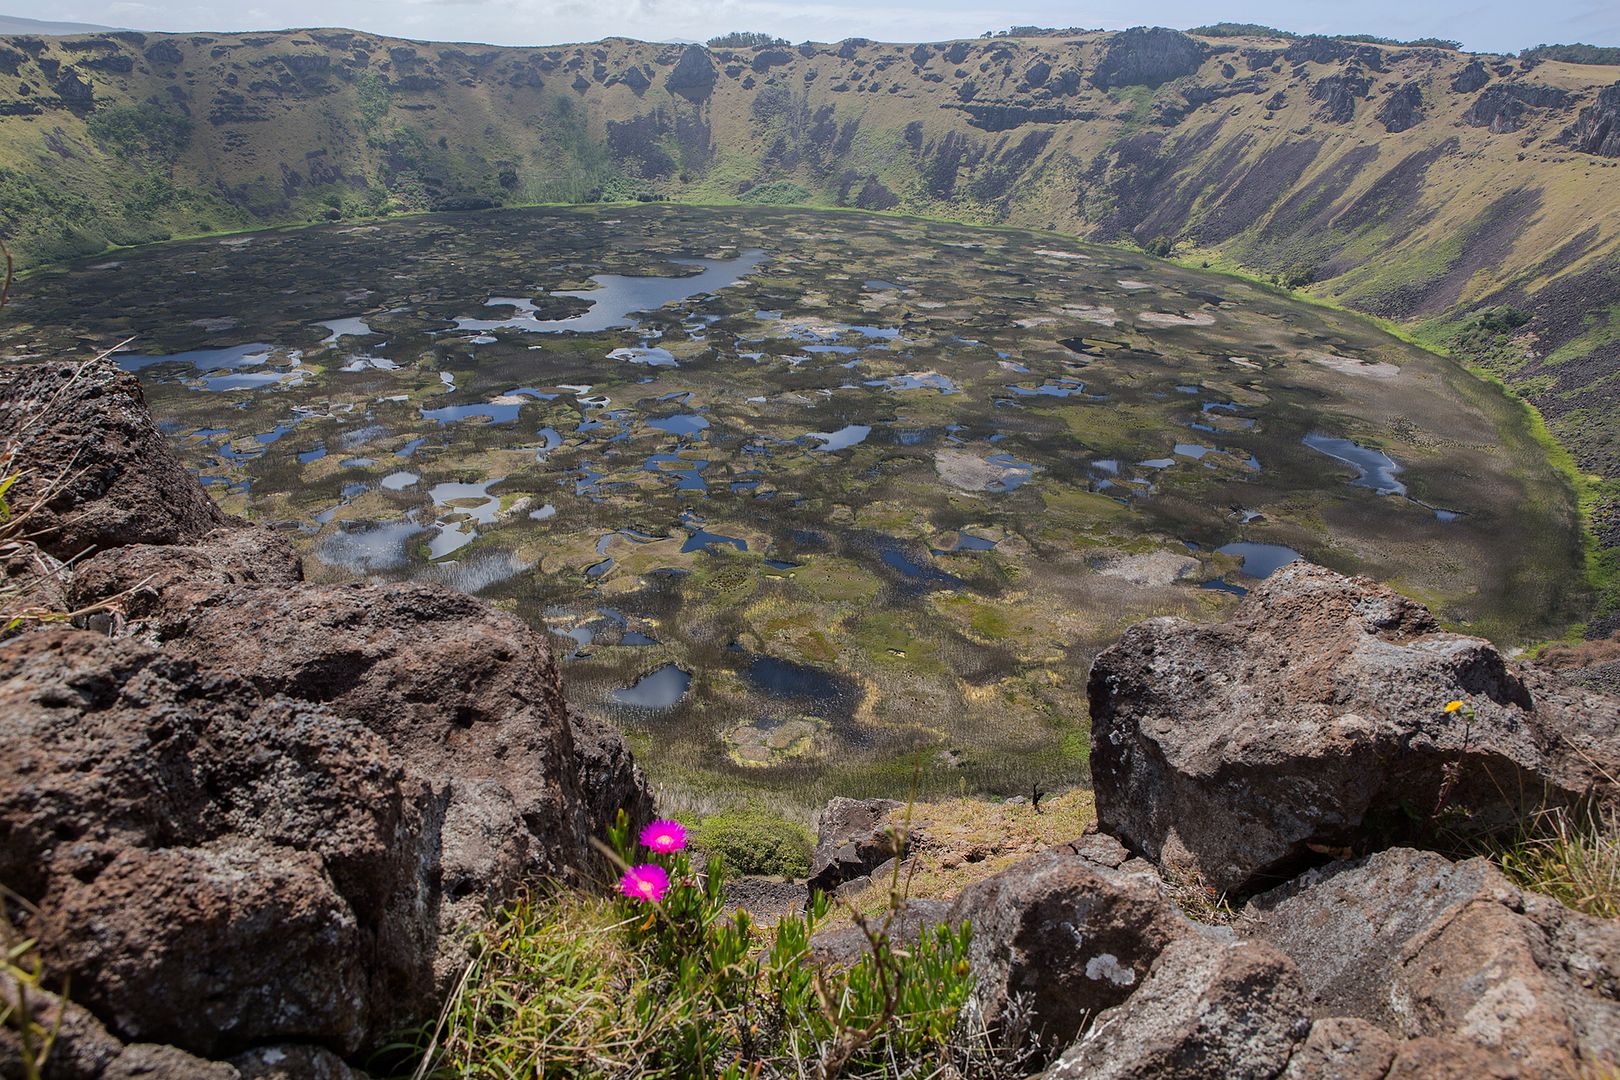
[
  {"x": 1572, "y": 855},
  {"x": 754, "y": 840},
  {"x": 1576, "y": 53},
  {"x": 1241, "y": 29},
  {"x": 374, "y": 98},
  {"x": 22, "y": 974},
  {"x": 143, "y": 132},
  {"x": 744, "y": 39},
  {"x": 776, "y": 193},
  {"x": 672, "y": 986}
]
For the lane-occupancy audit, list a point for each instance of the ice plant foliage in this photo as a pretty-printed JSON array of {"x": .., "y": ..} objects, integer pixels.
[
  {"x": 647, "y": 883},
  {"x": 664, "y": 837}
]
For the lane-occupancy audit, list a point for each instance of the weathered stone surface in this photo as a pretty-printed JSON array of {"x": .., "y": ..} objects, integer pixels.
[
  {"x": 1402, "y": 109},
  {"x": 1430, "y": 949},
  {"x": 905, "y": 927},
  {"x": 1147, "y": 56},
  {"x": 88, "y": 442},
  {"x": 146, "y": 573},
  {"x": 1342, "y": 1048},
  {"x": 1208, "y": 1010},
  {"x": 1071, "y": 935},
  {"x": 852, "y": 838},
  {"x": 468, "y": 696},
  {"x": 291, "y": 1062},
  {"x": 212, "y": 867},
  {"x": 1313, "y": 721}
]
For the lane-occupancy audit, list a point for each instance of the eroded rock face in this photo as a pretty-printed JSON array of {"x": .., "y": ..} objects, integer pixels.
[
  {"x": 1313, "y": 722},
  {"x": 1428, "y": 949},
  {"x": 1069, "y": 935},
  {"x": 86, "y": 437},
  {"x": 1147, "y": 56},
  {"x": 1208, "y": 1010},
  {"x": 1597, "y": 129}
]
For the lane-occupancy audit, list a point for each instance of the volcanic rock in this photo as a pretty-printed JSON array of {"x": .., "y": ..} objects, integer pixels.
[
  {"x": 1597, "y": 129},
  {"x": 211, "y": 867},
  {"x": 1314, "y": 722},
  {"x": 1069, "y": 935},
  {"x": 93, "y": 466},
  {"x": 1147, "y": 56},
  {"x": 852, "y": 839},
  {"x": 1208, "y": 1010},
  {"x": 1430, "y": 949}
]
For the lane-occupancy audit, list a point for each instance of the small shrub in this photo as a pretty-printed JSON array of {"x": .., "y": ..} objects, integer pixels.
[
  {"x": 144, "y": 131},
  {"x": 662, "y": 982},
  {"x": 753, "y": 841},
  {"x": 777, "y": 193}
]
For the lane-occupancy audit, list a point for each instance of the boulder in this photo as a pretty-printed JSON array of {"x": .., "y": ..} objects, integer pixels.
[
  {"x": 1430, "y": 949},
  {"x": 1313, "y": 722},
  {"x": 853, "y": 838},
  {"x": 210, "y": 866},
  {"x": 1208, "y": 1010},
  {"x": 95, "y": 470},
  {"x": 1068, "y": 936},
  {"x": 905, "y": 927}
]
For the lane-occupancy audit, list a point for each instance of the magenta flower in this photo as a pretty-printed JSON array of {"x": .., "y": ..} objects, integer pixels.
[
  {"x": 664, "y": 837},
  {"x": 647, "y": 883}
]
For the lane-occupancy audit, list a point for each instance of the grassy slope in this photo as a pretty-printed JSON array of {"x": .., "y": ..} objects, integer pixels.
[{"x": 211, "y": 132}]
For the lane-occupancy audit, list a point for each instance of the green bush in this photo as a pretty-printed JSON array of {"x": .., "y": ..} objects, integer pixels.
[
  {"x": 675, "y": 987},
  {"x": 142, "y": 132},
  {"x": 777, "y": 193},
  {"x": 753, "y": 841}
]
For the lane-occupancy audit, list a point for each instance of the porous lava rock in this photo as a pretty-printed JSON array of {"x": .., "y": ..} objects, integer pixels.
[
  {"x": 210, "y": 866},
  {"x": 1597, "y": 129},
  {"x": 1426, "y": 948},
  {"x": 693, "y": 75},
  {"x": 249, "y": 813},
  {"x": 1067, "y": 935},
  {"x": 1208, "y": 1010},
  {"x": 1313, "y": 723},
  {"x": 93, "y": 468}
]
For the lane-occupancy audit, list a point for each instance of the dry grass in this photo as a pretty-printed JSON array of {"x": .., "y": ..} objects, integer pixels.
[
  {"x": 1572, "y": 855},
  {"x": 958, "y": 842}
]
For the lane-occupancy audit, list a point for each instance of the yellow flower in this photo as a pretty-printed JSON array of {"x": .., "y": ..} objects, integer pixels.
[{"x": 1453, "y": 706}]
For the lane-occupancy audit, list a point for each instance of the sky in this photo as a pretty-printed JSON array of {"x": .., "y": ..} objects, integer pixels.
[{"x": 1496, "y": 26}]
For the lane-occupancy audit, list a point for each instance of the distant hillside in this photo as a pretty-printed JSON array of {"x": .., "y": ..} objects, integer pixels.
[
  {"x": 1475, "y": 198},
  {"x": 16, "y": 24}
]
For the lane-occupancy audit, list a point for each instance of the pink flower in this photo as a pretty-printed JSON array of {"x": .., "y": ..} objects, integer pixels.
[
  {"x": 647, "y": 883},
  {"x": 664, "y": 837}
]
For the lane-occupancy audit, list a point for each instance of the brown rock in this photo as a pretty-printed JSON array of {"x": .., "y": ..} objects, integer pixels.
[
  {"x": 1342, "y": 1048},
  {"x": 1209, "y": 1010},
  {"x": 211, "y": 867},
  {"x": 1072, "y": 936},
  {"x": 1427, "y": 948},
  {"x": 1313, "y": 722},
  {"x": 90, "y": 450},
  {"x": 853, "y": 837}
]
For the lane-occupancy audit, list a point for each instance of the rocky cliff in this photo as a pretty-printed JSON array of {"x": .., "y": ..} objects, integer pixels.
[
  {"x": 243, "y": 813},
  {"x": 1415, "y": 183}
]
